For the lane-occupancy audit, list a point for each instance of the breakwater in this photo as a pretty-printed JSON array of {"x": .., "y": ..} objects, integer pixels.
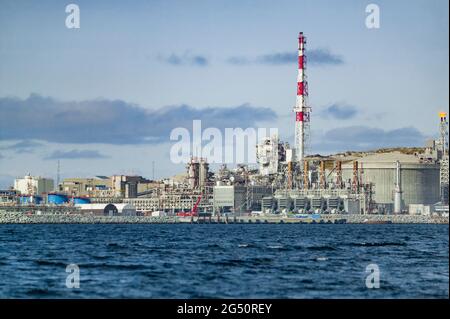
[{"x": 21, "y": 218}]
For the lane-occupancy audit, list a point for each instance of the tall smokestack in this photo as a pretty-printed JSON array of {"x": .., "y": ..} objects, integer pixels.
[{"x": 301, "y": 110}]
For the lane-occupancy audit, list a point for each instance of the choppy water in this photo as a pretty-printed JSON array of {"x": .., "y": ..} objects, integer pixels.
[{"x": 224, "y": 261}]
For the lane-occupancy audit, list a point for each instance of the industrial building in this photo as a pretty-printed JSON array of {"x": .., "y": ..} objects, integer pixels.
[
  {"x": 86, "y": 186},
  {"x": 172, "y": 202},
  {"x": 316, "y": 201},
  {"x": 33, "y": 185},
  {"x": 127, "y": 186},
  {"x": 147, "y": 204},
  {"x": 116, "y": 186},
  {"x": 7, "y": 196},
  {"x": 237, "y": 198}
]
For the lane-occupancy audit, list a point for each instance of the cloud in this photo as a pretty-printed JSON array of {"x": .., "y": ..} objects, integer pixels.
[
  {"x": 21, "y": 147},
  {"x": 75, "y": 154},
  {"x": 340, "y": 111},
  {"x": 361, "y": 138},
  {"x": 323, "y": 57},
  {"x": 113, "y": 122},
  {"x": 185, "y": 59},
  {"x": 277, "y": 58},
  {"x": 238, "y": 60},
  {"x": 314, "y": 57}
]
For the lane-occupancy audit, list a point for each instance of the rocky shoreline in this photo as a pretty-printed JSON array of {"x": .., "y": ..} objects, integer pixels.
[
  {"x": 396, "y": 219},
  {"x": 21, "y": 218}
]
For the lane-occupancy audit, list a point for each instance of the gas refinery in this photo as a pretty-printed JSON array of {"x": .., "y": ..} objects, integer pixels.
[{"x": 287, "y": 181}]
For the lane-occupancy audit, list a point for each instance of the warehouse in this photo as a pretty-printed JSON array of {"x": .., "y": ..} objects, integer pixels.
[{"x": 239, "y": 197}]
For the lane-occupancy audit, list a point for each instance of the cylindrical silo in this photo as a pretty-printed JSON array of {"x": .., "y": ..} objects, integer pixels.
[
  {"x": 419, "y": 181},
  {"x": 57, "y": 199}
]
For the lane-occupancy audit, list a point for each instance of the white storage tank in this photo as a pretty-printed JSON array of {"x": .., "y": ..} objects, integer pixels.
[{"x": 419, "y": 180}]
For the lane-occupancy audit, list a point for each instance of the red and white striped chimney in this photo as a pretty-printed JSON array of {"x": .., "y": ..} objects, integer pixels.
[{"x": 300, "y": 109}]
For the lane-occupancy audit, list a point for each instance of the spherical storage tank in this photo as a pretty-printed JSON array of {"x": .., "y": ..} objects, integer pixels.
[
  {"x": 419, "y": 181},
  {"x": 57, "y": 199},
  {"x": 81, "y": 200}
]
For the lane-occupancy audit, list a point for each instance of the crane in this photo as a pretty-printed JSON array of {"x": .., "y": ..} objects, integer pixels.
[{"x": 194, "y": 210}]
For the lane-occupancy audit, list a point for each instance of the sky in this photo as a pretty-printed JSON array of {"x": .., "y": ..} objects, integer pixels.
[{"x": 104, "y": 98}]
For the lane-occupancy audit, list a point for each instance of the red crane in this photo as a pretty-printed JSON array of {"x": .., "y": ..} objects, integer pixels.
[{"x": 194, "y": 211}]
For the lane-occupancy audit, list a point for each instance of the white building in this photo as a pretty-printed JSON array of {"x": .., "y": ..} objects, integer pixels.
[
  {"x": 268, "y": 155},
  {"x": 420, "y": 209},
  {"x": 33, "y": 185},
  {"x": 159, "y": 214}
]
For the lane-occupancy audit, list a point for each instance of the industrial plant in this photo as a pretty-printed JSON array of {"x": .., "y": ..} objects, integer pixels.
[{"x": 287, "y": 181}]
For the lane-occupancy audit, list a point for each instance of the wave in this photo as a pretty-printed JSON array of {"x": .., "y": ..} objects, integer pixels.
[
  {"x": 240, "y": 262},
  {"x": 114, "y": 266},
  {"x": 322, "y": 248},
  {"x": 99, "y": 257},
  {"x": 115, "y": 245},
  {"x": 43, "y": 262},
  {"x": 321, "y": 258},
  {"x": 260, "y": 260},
  {"x": 92, "y": 265},
  {"x": 377, "y": 244},
  {"x": 214, "y": 246},
  {"x": 228, "y": 262},
  {"x": 275, "y": 246},
  {"x": 154, "y": 274}
]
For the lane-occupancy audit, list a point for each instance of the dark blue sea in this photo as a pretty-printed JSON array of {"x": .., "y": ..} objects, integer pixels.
[{"x": 224, "y": 261}]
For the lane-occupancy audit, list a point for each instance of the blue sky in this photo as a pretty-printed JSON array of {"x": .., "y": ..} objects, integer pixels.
[{"x": 137, "y": 69}]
